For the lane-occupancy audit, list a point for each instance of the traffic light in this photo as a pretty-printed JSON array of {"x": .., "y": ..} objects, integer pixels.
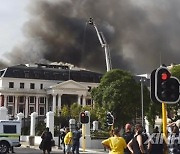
[
  {"x": 166, "y": 87},
  {"x": 84, "y": 118},
  {"x": 152, "y": 86},
  {"x": 109, "y": 119}
]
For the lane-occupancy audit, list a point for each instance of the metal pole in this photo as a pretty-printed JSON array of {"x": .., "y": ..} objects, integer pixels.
[
  {"x": 142, "y": 103},
  {"x": 164, "y": 122}
]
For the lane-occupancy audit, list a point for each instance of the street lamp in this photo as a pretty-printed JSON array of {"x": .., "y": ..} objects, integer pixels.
[{"x": 143, "y": 79}]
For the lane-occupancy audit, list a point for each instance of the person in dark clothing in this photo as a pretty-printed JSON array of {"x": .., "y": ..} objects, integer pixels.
[
  {"x": 156, "y": 145},
  {"x": 46, "y": 141},
  {"x": 136, "y": 144},
  {"x": 174, "y": 145},
  {"x": 62, "y": 135},
  {"x": 76, "y": 138},
  {"x": 128, "y": 135}
]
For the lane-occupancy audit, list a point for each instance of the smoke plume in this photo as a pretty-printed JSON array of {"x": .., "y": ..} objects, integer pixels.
[{"x": 141, "y": 35}]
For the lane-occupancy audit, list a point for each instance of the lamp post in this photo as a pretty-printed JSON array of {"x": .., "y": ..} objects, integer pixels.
[
  {"x": 142, "y": 100},
  {"x": 142, "y": 79}
]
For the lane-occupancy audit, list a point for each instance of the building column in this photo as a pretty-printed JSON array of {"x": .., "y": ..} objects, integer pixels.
[
  {"x": 59, "y": 101},
  {"x": 37, "y": 104},
  {"x": 26, "y": 107},
  {"x": 84, "y": 101},
  {"x": 47, "y": 104},
  {"x": 15, "y": 105},
  {"x": 5, "y": 101},
  {"x": 79, "y": 99},
  {"x": 54, "y": 103}
]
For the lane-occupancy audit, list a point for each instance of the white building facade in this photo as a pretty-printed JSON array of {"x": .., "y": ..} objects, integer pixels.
[{"x": 41, "y": 88}]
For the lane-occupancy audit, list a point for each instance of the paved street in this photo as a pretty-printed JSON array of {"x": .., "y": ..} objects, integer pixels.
[{"x": 35, "y": 150}]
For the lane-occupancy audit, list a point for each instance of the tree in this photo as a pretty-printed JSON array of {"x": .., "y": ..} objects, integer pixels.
[
  {"x": 172, "y": 109},
  {"x": 119, "y": 93}
]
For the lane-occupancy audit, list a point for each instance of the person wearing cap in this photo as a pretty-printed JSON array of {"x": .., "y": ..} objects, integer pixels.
[
  {"x": 128, "y": 135},
  {"x": 115, "y": 144}
]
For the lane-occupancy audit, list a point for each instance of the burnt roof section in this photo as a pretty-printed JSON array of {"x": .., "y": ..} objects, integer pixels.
[{"x": 50, "y": 72}]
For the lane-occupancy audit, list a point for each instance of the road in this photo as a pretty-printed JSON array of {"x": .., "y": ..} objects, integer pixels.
[{"x": 28, "y": 150}]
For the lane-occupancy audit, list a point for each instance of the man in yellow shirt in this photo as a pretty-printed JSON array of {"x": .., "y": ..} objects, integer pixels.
[
  {"x": 115, "y": 144},
  {"x": 68, "y": 141}
]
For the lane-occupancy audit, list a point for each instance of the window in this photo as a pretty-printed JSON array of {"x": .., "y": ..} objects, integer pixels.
[
  {"x": 21, "y": 108},
  {"x": 32, "y": 99},
  {"x": 11, "y": 84},
  {"x": 36, "y": 75},
  {"x": 31, "y": 109},
  {"x": 41, "y": 86},
  {"x": 88, "y": 102},
  {"x": 41, "y": 110},
  {"x": 26, "y": 74},
  {"x": 10, "y": 110},
  {"x": 21, "y": 85},
  {"x": 10, "y": 129},
  {"x": 41, "y": 100},
  {"x": 21, "y": 99},
  {"x": 32, "y": 86},
  {"x": 10, "y": 99}
]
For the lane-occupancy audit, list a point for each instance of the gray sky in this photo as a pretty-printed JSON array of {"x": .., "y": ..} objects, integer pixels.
[{"x": 13, "y": 14}]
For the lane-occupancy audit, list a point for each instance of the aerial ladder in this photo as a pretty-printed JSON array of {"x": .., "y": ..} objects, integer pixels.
[{"x": 104, "y": 45}]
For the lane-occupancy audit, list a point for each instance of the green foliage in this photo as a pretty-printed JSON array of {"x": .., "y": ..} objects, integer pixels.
[
  {"x": 119, "y": 93},
  {"x": 175, "y": 71},
  {"x": 99, "y": 134},
  {"x": 40, "y": 127}
]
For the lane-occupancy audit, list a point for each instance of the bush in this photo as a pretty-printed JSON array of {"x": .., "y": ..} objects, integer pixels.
[{"x": 99, "y": 134}]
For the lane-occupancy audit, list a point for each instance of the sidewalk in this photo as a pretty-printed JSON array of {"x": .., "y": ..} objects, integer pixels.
[{"x": 56, "y": 149}]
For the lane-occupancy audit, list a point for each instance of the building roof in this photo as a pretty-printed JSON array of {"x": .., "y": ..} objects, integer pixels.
[{"x": 51, "y": 72}]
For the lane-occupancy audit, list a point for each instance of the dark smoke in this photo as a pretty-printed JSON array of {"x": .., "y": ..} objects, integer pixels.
[{"x": 137, "y": 32}]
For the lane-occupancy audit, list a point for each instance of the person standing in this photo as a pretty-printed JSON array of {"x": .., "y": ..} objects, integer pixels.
[
  {"x": 128, "y": 135},
  {"x": 46, "y": 141},
  {"x": 157, "y": 142},
  {"x": 115, "y": 144},
  {"x": 62, "y": 135},
  {"x": 68, "y": 141},
  {"x": 136, "y": 144},
  {"x": 76, "y": 138}
]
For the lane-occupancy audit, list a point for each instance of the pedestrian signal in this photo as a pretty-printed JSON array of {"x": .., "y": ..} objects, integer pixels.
[{"x": 84, "y": 118}]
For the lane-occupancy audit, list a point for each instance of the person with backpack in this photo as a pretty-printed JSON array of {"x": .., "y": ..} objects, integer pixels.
[
  {"x": 46, "y": 141},
  {"x": 76, "y": 138}
]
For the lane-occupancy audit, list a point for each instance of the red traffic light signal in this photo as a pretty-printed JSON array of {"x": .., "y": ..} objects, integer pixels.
[
  {"x": 166, "y": 87},
  {"x": 84, "y": 118}
]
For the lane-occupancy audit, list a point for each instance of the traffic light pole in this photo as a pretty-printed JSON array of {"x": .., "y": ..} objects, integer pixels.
[
  {"x": 83, "y": 137},
  {"x": 164, "y": 121}
]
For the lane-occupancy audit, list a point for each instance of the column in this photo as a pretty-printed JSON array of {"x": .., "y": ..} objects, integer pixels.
[
  {"x": 26, "y": 107},
  {"x": 54, "y": 103},
  {"x": 37, "y": 104},
  {"x": 5, "y": 101},
  {"x": 47, "y": 104},
  {"x": 50, "y": 121},
  {"x": 84, "y": 101},
  {"x": 15, "y": 105},
  {"x": 79, "y": 99},
  {"x": 59, "y": 101}
]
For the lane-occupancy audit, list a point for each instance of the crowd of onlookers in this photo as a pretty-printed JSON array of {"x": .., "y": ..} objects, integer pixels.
[{"x": 135, "y": 140}]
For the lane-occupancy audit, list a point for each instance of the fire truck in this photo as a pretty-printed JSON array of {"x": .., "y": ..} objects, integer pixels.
[{"x": 10, "y": 131}]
